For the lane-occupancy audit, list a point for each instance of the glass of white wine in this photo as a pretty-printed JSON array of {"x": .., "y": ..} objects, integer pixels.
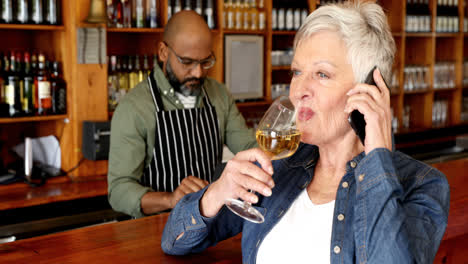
[{"x": 278, "y": 136}]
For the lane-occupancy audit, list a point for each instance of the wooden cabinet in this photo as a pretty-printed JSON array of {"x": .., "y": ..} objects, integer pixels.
[{"x": 87, "y": 83}]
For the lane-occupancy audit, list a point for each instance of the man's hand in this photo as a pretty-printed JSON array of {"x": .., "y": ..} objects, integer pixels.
[
  {"x": 239, "y": 176},
  {"x": 188, "y": 185}
]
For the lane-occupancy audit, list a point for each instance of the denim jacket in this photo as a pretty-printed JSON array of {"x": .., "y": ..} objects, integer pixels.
[{"x": 389, "y": 208}]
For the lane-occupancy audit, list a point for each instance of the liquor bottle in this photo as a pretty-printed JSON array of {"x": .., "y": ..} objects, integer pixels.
[
  {"x": 198, "y": 7},
  {"x": 169, "y": 9},
  {"x": 4, "y": 107},
  {"x": 113, "y": 83},
  {"x": 7, "y": 11},
  {"x": 127, "y": 13},
  {"x": 187, "y": 5},
  {"x": 151, "y": 16},
  {"x": 37, "y": 12},
  {"x": 22, "y": 12},
  {"x": 42, "y": 84},
  {"x": 146, "y": 69},
  {"x": 209, "y": 16},
  {"x": 122, "y": 74},
  {"x": 289, "y": 19},
  {"x": 51, "y": 12},
  {"x": 140, "y": 14},
  {"x": 246, "y": 15},
  {"x": 132, "y": 74},
  {"x": 177, "y": 6},
  {"x": 230, "y": 23},
  {"x": 59, "y": 89},
  {"x": 28, "y": 86},
  {"x": 111, "y": 13},
  {"x": 261, "y": 15},
  {"x": 13, "y": 88},
  {"x": 253, "y": 15},
  {"x": 238, "y": 14},
  {"x": 138, "y": 70}
]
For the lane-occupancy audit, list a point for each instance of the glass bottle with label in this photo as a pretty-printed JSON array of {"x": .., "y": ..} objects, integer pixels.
[
  {"x": 151, "y": 16},
  {"x": 112, "y": 83},
  {"x": 42, "y": 83},
  {"x": 37, "y": 16},
  {"x": 146, "y": 69},
  {"x": 13, "y": 88},
  {"x": 7, "y": 11},
  {"x": 4, "y": 107},
  {"x": 177, "y": 6},
  {"x": 169, "y": 9},
  {"x": 261, "y": 15},
  {"x": 209, "y": 15},
  {"x": 253, "y": 15},
  {"x": 59, "y": 89},
  {"x": 22, "y": 11},
  {"x": 127, "y": 13},
  {"x": 246, "y": 15},
  {"x": 28, "y": 86},
  {"x": 230, "y": 15},
  {"x": 51, "y": 12},
  {"x": 198, "y": 7},
  {"x": 238, "y": 14},
  {"x": 140, "y": 14}
]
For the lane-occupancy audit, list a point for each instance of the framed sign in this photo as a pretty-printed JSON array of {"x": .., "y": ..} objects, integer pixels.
[{"x": 243, "y": 68}]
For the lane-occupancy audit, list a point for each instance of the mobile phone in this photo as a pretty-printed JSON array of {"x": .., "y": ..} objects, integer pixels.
[{"x": 356, "y": 119}]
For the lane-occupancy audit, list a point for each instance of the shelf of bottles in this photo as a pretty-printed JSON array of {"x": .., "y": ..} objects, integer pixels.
[
  {"x": 31, "y": 86},
  {"x": 416, "y": 79},
  {"x": 447, "y": 19},
  {"x": 464, "y": 109},
  {"x": 244, "y": 15},
  {"x": 132, "y": 14},
  {"x": 30, "y": 12},
  {"x": 418, "y": 16},
  {"x": 444, "y": 76},
  {"x": 286, "y": 17},
  {"x": 124, "y": 73}
]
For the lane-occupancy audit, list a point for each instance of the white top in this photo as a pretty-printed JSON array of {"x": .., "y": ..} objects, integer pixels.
[
  {"x": 303, "y": 235},
  {"x": 187, "y": 101}
]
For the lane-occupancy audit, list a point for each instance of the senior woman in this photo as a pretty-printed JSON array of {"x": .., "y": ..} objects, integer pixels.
[{"x": 335, "y": 200}]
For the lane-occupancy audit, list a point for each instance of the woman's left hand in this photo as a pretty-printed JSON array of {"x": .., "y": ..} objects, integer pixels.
[{"x": 374, "y": 103}]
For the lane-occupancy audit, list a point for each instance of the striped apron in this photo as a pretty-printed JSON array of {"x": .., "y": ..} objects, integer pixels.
[{"x": 187, "y": 142}]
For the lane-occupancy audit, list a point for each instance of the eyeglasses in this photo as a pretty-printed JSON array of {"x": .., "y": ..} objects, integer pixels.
[{"x": 189, "y": 63}]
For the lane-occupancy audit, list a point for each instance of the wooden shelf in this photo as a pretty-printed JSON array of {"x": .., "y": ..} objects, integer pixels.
[
  {"x": 32, "y": 27},
  {"x": 420, "y": 35},
  {"x": 284, "y": 32},
  {"x": 241, "y": 31},
  {"x": 136, "y": 30},
  {"x": 397, "y": 34},
  {"x": 447, "y": 35},
  {"x": 445, "y": 90},
  {"x": 416, "y": 92},
  {"x": 281, "y": 68},
  {"x": 9, "y": 120}
]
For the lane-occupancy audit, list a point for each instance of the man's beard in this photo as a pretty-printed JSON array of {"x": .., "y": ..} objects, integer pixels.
[{"x": 182, "y": 87}]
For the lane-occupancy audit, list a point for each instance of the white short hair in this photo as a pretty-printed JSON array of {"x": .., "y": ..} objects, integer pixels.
[{"x": 364, "y": 29}]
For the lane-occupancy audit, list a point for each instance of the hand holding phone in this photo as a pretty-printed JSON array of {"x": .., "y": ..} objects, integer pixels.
[{"x": 356, "y": 119}]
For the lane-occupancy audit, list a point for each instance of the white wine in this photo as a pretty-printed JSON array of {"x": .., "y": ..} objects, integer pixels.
[{"x": 279, "y": 144}]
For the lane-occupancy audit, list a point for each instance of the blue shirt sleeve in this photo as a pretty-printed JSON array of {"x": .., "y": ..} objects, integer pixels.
[
  {"x": 401, "y": 209},
  {"x": 187, "y": 231}
]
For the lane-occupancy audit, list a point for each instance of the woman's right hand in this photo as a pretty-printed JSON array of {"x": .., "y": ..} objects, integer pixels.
[{"x": 239, "y": 176}]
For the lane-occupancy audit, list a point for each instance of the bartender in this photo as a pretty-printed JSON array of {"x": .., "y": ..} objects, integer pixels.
[{"x": 167, "y": 134}]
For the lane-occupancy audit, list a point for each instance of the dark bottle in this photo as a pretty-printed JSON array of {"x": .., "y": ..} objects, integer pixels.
[
  {"x": 37, "y": 10},
  {"x": 28, "y": 86},
  {"x": 4, "y": 107},
  {"x": 13, "y": 88},
  {"x": 42, "y": 85},
  {"x": 50, "y": 14},
  {"x": 59, "y": 90},
  {"x": 22, "y": 11},
  {"x": 7, "y": 11}
]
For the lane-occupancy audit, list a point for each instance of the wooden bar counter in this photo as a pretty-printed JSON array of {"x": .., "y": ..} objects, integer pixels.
[
  {"x": 131, "y": 241},
  {"x": 139, "y": 241}
]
